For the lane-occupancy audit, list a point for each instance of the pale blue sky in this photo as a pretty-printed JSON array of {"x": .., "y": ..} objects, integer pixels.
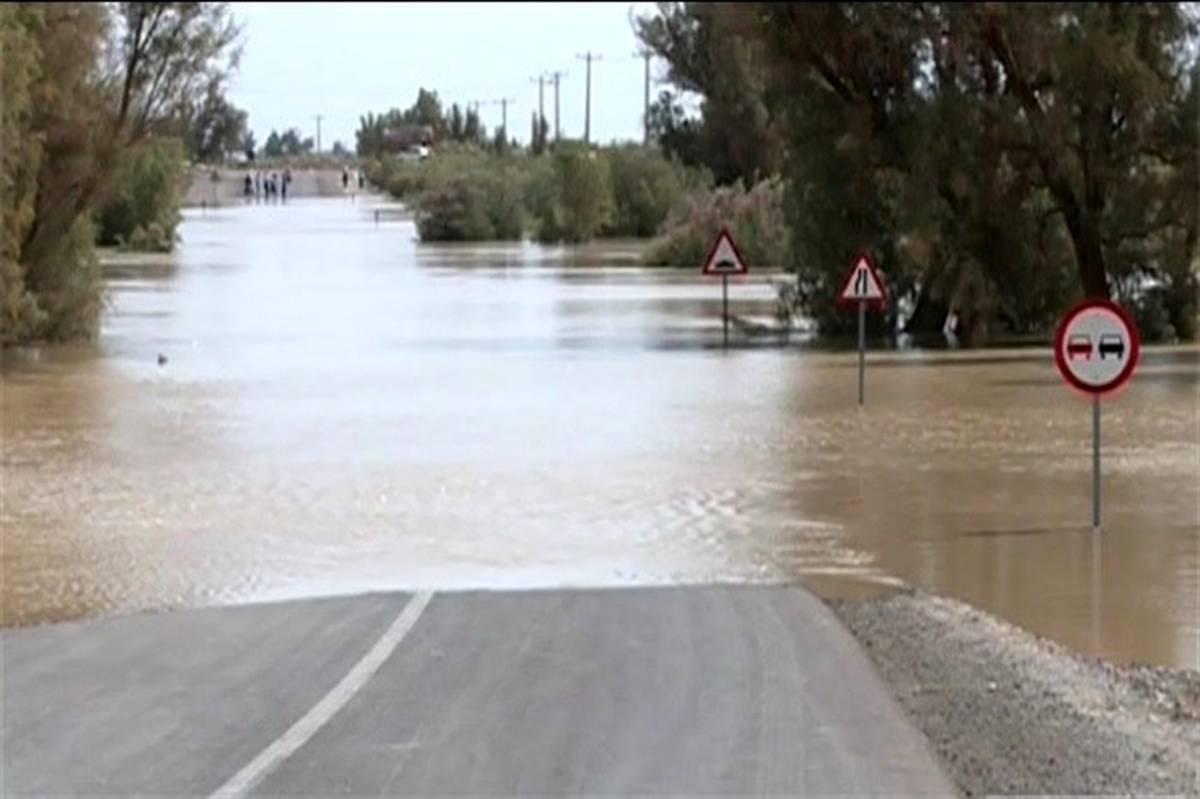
[{"x": 343, "y": 59}]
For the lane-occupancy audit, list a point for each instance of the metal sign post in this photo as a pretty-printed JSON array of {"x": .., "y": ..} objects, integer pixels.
[
  {"x": 724, "y": 259},
  {"x": 1096, "y": 350},
  {"x": 863, "y": 287},
  {"x": 862, "y": 348},
  {"x": 1096, "y": 462},
  {"x": 725, "y": 307}
]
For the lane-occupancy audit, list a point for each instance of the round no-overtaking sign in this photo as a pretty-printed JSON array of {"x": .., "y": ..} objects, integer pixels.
[{"x": 1097, "y": 347}]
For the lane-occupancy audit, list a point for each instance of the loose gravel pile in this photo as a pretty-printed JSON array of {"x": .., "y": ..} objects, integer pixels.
[{"x": 1012, "y": 713}]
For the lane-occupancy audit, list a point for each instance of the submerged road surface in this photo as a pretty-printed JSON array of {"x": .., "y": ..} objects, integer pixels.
[{"x": 738, "y": 690}]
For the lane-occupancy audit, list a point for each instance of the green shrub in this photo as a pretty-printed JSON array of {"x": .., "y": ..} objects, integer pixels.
[
  {"x": 143, "y": 212},
  {"x": 571, "y": 198},
  {"x": 646, "y": 187},
  {"x": 463, "y": 193},
  {"x": 71, "y": 291},
  {"x": 453, "y": 210},
  {"x": 481, "y": 204},
  {"x": 754, "y": 218},
  {"x": 543, "y": 201}
]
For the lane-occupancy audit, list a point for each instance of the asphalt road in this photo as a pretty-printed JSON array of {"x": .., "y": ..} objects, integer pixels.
[{"x": 746, "y": 690}]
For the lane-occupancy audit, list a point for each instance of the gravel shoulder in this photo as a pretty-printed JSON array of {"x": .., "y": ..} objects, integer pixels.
[{"x": 1012, "y": 713}]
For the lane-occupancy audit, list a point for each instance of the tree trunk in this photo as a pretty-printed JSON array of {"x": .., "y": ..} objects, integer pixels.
[{"x": 1085, "y": 239}]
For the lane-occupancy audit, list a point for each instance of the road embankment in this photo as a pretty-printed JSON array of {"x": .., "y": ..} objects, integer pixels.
[{"x": 1011, "y": 713}]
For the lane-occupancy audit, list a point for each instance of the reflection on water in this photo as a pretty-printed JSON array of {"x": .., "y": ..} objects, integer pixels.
[{"x": 344, "y": 409}]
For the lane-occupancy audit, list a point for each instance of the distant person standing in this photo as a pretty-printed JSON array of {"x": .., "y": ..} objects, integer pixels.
[
  {"x": 258, "y": 183},
  {"x": 345, "y": 179},
  {"x": 287, "y": 178},
  {"x": 361, "y": 180},
  {"x": 248, "y": 186},
  {"x": 274, "y": 184}
]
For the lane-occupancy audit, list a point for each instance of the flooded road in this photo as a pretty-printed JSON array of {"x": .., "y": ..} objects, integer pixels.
[{"x": 344, "y": 409}]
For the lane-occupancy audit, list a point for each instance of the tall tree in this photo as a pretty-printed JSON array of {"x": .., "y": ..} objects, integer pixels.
[
  {"x": 109, "y": 77},
  {"x": 274, "y": 146},
  {"x": 739, "y": 133},
  {"x": 215, "y": 128},
  {"x": 998, "y": 160}
]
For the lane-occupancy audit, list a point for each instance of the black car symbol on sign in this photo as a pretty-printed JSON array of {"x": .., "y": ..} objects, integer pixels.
[
  {"x": 726, "y": 264},
  {"x": 1111, "y": 344}
]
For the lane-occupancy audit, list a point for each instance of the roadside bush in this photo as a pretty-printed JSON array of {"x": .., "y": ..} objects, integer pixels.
[
  {"x": 754, "y": 217},
  {"x": 70, "y": 289},
  {"x": 572, "y": 200},
  {"x": 646, "y": 187},
  {"x": 463, "y": 193},
  {"x": 478, "y": 205},
  {"x": 144, "y": 211}
]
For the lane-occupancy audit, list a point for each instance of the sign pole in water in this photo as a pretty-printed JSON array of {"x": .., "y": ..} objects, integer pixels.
[
  {"x": 862, "y": 348},
  {"x": 1096, "y": 462},
  {"x": 1096, "y": 349},
  {"x": 864, "y": 287},
  {"x": 725, "y": 307},
  {"x": 724, "y": 259}
]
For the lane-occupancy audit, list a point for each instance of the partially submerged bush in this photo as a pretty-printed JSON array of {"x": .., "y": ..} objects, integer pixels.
[
  {"x": 575, "y": 194},
  {"x": 572, "y": 201},
  {"x": 646, "y": 187},
  {"x": 144, "y": 210},
  {"x": 477, "y": 205},
  {"x": 754, "y": 218}
]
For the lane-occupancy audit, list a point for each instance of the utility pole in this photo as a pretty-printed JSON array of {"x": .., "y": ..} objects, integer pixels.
[
  {"x": 541, "y": 82},
  {"x": 589, "y": 56},
  {"x": 319, "y": 117},
  {"x": 503, "y": 103},
  {"x": 556, "y": 77},
  {"x": 646, "y": 55}
]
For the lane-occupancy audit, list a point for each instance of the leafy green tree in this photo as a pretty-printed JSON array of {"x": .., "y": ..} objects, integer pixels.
[
  {"x": 998, "y": 161},
  {"x": 572, "y": 200},
  {"x": 473, "y": 130},
  {"x": 20, "y": 159},
  {"x": 274, "y": 146},
  {"x": 216, "y": 127},
  {"x": 144, "y": 212},
  {"x": 105, "y": 78},
  {"x": 739, "y": 132},
  {"x": 368, "y": 139},
  {"x": 427, "y": 110},
  {"x": 539, "y": 130}
]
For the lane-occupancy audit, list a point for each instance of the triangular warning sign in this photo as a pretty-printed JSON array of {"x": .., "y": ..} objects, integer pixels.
[
  {"x": 724, "y": 258},
  {"x": 863, "y": 284}
]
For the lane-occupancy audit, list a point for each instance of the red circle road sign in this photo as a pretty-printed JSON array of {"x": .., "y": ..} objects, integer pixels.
[{"x": 1097, "y": 346}]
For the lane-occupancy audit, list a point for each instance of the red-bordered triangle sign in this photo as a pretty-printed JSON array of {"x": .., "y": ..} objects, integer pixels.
[
  {"x": 724, "y": 258},
  {"x": 863, "y": 284}
]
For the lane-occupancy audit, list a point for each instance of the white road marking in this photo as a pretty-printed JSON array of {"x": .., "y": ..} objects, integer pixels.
[{"x": 299, "y": 733}]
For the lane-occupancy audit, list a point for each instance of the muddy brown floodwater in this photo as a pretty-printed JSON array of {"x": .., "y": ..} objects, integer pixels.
[{"x": 344, "y": 409}]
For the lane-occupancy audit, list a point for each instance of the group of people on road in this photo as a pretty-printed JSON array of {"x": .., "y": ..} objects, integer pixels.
[
  {"x": 274, "y": 185},
  {"x": 262, "y": 185}
]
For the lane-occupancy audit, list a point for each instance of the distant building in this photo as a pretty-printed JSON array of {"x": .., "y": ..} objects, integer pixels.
[{"x": 408, "y": 139}]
